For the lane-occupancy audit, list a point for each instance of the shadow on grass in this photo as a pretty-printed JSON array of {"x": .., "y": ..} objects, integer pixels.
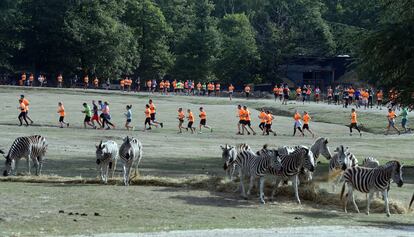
[
  {"x": 389, "y": 225},
  {"x": 317, "y": 214},
  {"x": 218, "y": 200}
]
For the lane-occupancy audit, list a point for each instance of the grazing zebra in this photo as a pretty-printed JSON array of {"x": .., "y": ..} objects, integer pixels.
[
  {"x": 106, "y": 157},
  {"x": 228, "y": 151},
  {"x": 253, "y": 166},
  {"x": 291, "y": 166},
  {"x": 341, "y": 160},
  {"x": 370, "y": 162},
  {"x": 130, "y": 153},
  {"x": 32, "y": 148},
  {"x": 369, "y": 180}
]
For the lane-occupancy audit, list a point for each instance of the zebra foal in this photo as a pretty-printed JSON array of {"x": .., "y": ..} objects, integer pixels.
[
  {"x": 106, "y": 158},
  {"x": 367, "y": 180},
  {"x": 130, "y": 153},
  {"x": 32, "y": 148}
]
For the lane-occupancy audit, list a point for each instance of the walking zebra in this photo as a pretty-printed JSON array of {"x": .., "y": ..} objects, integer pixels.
[
  {"x": 130, "y": 153},
  {"x": 253, "y": 166},
  {"x": 291, "y": 166},
  {"x": 369, "y": 180},
  {"x": 106, "y": 158},
  {"x": 341, "y": 160},
  {"x": 371, "y": 162},
  {"x": 32, "y": 148}
]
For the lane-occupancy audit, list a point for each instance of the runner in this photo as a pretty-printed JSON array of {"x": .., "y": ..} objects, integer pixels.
[
  {"x": 106, "y": 116},
  {"x": 95, "y": 82},
  {"x": 31, "y": 79},
  {"x": 357, "y": 96},
  {"x": 286, "y": 92},
  {"x": 167, "y": 87},
  {"x": 269, "y": 122},
  {"x": 242, "y": 122},
  {"x": 152, "y": 109},
  {"x": 354, "y": 122},
  {"x": 95, "y": 116},
  {"x": 306, "y": 119},
  {"x": 308, "y": 93},
  {"x": 391, "y": 121},
  {"x": 317, "y": 94},
  {"x": 59, "y": 80},
  {"x": 199, "y": 88},
  {"x": 85, "y": 82},
  {"x": 210, "y": 88},
  {"x": 128, "y": 116},
  {"x": 22, "y": 81},
  {"x": 247, "y": 91},
  {"x": 149, "y": 86},
  {"x": 22, "y": 115},
  {"x": 190, "y": 118},
  {"x": 298, "y": 93},
  {"x": 276, "y": 92},
  {"x": 180, "y": 118},
  {"x": 280, "y": 92},
  {"x": 304, "y": 93},
  {"x": 162, "y": 85},
  {"x": 122, "y": 84},
  {"x": 297, "y": 125},
  {"x": 88, "y": 115},
  {"x": 26, "y": 103},
  {"x": 330, "y": 95},
  {"x": 262, "y": 116},
  {"x": 62, "y": 114},
  {"x": 231, "y": 90},
  {"x": 217, "y": 89},
  {"x": 147, "y": 113},
  {"x": 203, "y": 121},
  {"x": 248, "y": 121},
  {"x": 404, "y": 119}
]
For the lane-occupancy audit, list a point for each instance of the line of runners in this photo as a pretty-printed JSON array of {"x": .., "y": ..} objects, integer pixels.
[{"x": 99, "y": 117}]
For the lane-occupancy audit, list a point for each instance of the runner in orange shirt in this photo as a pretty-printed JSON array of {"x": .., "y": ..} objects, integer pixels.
[
  {"x": 22, "y": 115},
  {"x": 26, "y": 103},
  {"x": 218, "y": 89},
  {"x": 263, "y": 117},
  {"x": 190, "y": 118},
  {"x": 198, "y": 88},
  {"x": 297, "y": 125},
  {"x": 247, "y": 91},
  {"x": 147, "y": 113},
  {"x": 276, "y": 92},
  {"x": 180, "y": 118},
  {"x": 231, "y": 90},
  {"x": 122, "y": 84},
  {"x": 62, "y": 114},
  {"x": 203, "y": 120},
  {"x": 380, "y": 97},
  {"x": 391, "y": 122},
  {"x": 248, "y": 121},
  {"x": 298, "y": 93},
  {"x": 96, "y": 83},
  {"x": 162, "y": 84},
  {"x": 269, "y": 122},
  {"x": 242, "y": 120},
  {"x": 152, "y": 109},
  {"x": 306, "y": 120},
  {"x": 166, "y": 87},
  {"x": 354, "y": 123}
]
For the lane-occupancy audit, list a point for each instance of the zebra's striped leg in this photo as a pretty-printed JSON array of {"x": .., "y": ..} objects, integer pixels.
[
  {"x": 28, "y": 165},
  {"x": 242, "y": 190},
  {"x": 369, "y": 197},
  {"x": 276, "y": 186},
  {"x": 40, "y": 159},
  {"x": 113, "y": 168},
  {"x": 36, "y": 165},
  {"x": 16, "y": 165},
  {"x": 387, "y": 207},
  {"x": 351, "y": 197},
  {"x": 295, "y": 181},
  {"x": 106, "y": 172},
  {"x": 125, "y": 171},
  {"x": 251, "y": 184},
  {"x": 261, "y": 186}
]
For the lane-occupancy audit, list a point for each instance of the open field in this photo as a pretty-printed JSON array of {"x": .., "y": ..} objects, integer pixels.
[{"x": 33, "y": 208}]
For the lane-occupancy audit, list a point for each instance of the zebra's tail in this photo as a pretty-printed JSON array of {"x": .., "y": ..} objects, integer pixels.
[
  {"x": 411, "y": 202},
  {"x": 342, "y": 191}
]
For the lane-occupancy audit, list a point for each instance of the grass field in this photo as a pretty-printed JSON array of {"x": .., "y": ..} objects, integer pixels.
[{"x": 33, "y": 208}]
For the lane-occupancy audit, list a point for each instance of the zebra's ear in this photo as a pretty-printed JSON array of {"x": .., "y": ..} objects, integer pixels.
[
  {"x": 326, "y": 141},
  {"x": 127, "y": 139},
  {"x": 222, "y": 147}
]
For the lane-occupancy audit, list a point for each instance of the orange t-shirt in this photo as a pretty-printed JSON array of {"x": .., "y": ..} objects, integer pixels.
[
  {"x": 22, "y": 107},
  {"x": 190, "y": 117},
  {"x": 242, "y": 114},
  {"x": 298, "y": 91},
  {"x": 167, "y": 84},
  {"x": 61, "y": 111},
  {"x": 306, "y": 119},
  {"x": 96, "y": 81},
  {"x": 24, "y": 77},
  {"x": 203, "y": 115},
  {"x": 354, "y": 117},
  {"x": 269, "y": 119},
  {"x": 297, "y": 117},
  {"x": 276, "y": 90},
  {"x": 147, "y": 113},
  {"x": 263, "y": 117},
  {"x": 379, "y": 96},
  {"x": 162, "y": 85},
  {"x": 217, "y": 87},
  {"x": 199, "y": 86},
  {"x": 247, "y": 89},
  {"x": 152, "y": 108},
  {"x": 247, "y": 115},
  {"x": 181, "y": 115},
  {"x": 231, "y": 88},
  {"x": 391, "y": 115}
]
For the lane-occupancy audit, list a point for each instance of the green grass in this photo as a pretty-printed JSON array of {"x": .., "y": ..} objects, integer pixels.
[{"x": 32, "y": 209}]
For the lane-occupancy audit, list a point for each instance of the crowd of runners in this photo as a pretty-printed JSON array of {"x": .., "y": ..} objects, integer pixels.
[{"x": 98, "y": 116}]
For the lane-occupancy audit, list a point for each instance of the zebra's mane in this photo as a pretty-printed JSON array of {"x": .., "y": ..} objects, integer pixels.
[{"x": 393, "y": 163}]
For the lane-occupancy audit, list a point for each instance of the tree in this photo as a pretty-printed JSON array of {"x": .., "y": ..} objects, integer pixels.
[
  {"x": 239, "y": 57},
  {"x": 198, "y": 52},
  {"x": 150, "y": 32}
]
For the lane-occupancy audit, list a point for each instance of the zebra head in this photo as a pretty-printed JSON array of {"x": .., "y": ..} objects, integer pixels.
[
  {"x": 126, "y": 148},
  {"x": 307, "y": 155},
  {"x": 9, "y": 165},
  {"x": 99, "y": 152},
  {"x": 397, "y": 172},
  {"x": 321, "y": 147},
  {"x": 343, "y": 157},
  {"x": 228, "y": 155}
]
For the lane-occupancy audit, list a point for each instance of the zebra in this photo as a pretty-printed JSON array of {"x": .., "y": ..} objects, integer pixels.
[
  {"x": 233, "y": 151},
  {"x": 32, "y": 148},
  {"x": 291, "y": 166},
  {"x": 369, "y": 180},
  {"x": 371, "y": 162},
  {"x": 253, "y": 166},
  {"x": 340, "y": 161},
  {"x": 106, "y": 158},
  {"x": 130, "y": 153}
]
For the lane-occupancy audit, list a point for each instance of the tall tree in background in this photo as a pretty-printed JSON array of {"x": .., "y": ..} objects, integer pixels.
[
  {"x": 387, "y": 54},
  {"x": 197, "y": 54},
  {"x": 150, "y": 32},
  {"x": 239, "y": 57}
]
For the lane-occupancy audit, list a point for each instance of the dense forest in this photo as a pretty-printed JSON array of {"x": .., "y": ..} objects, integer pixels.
[{"x": 227, "y": 40}]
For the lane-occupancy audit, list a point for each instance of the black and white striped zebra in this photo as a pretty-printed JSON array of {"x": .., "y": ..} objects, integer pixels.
[
  {"x": 130, "y": 153},
  {"x": 253, "y": 166},
  {"x": 341, "y": 160},
  {"x": 228, "y": 151},
  {"x": 32, "y": 148},
  {"x": 371, "y": 162},
  {"x": 367, "y": 180},
  {"x": 291, "y": 166},
  {"x": 106, "y": 158}
]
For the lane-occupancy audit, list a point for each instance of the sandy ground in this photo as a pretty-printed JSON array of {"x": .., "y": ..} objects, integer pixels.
[{"x": 319, "y": 231}]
